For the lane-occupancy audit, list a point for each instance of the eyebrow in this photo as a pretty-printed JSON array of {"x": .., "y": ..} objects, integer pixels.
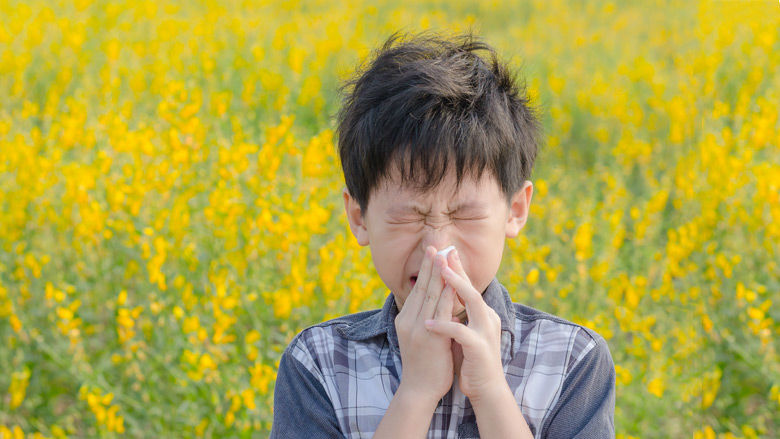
[{"x": 414, "y": 208}]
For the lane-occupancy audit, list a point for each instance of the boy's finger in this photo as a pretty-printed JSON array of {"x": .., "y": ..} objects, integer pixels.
[
  {"x": 457, "y": 331},
  {"x": 453, "y": 261},
  {"x": 444, "y": 307},
  {"x": 416, "y": 296},
  {"x": 475, "y": 303},
  {"x": 433, "y": 292}
]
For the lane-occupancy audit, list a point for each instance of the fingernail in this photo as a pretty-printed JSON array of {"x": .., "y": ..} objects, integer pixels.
[
  {"x": 429, "y": 323},
  {"x": 448, "y": 271},
  {"x": 455, "y": 255}
]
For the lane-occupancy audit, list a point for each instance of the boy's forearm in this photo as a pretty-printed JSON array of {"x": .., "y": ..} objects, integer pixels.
[
  {"x": 408, "y": 416},
  {"x": 499, "y": 416}
]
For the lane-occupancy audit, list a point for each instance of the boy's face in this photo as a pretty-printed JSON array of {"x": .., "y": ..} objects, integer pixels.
[{"x": 400, "y": 223}]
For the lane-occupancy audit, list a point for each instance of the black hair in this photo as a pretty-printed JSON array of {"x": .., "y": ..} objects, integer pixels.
[{"x": 427, "y": 100}]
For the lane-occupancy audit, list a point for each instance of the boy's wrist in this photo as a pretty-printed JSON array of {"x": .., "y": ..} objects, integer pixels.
[
  {"x": 493, "y": 398},
  {"x": 416, "y": 398},
  {"x": 499, "y": 415},
  {"x": 409, "y": 415}
]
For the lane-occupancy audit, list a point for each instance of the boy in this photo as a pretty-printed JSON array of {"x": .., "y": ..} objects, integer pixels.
[{"x": 437, "y": 146}]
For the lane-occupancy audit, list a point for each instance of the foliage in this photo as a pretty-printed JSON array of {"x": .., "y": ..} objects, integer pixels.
[{"x": 171, "y": 215}]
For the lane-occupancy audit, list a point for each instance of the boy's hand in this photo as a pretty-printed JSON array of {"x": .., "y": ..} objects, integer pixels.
[
  {"x": 426, "y": 356},
  {"x": 481, "y": 372}
]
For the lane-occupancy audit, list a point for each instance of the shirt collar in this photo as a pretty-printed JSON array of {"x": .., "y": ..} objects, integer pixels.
[{"x": 383, "y": 322}]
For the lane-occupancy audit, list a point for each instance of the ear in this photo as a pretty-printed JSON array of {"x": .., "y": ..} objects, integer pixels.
[
  {"x": 518, "y": 209},
  {"x": 357, "y": 222}
]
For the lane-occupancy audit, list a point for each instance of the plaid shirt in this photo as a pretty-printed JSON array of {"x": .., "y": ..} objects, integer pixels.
[{"x": 336, "y": 379}]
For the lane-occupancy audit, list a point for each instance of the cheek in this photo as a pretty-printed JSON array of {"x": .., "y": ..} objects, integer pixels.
[
  {"x": 390, "y": 253},
  {"x": 483, "y": 256}
]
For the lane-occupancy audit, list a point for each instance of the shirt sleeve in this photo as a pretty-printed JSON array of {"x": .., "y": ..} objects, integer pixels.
[
  {"x": 302, "y": 408},
  {"x": 586, "y": 407}
]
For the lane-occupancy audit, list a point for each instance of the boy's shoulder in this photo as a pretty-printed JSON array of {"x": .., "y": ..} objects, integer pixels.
[
  {"x": 566, "y": 349},
  {"x": 368, "y": 318},
  {"x": 529, "y": 314},
  {"x": 366, "y": 323}
]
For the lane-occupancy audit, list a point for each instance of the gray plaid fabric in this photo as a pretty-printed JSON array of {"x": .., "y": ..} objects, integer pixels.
[{"x": 337, "y": 378}]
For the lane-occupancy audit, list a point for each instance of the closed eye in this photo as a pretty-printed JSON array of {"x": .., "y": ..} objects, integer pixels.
[
  {"x": 406, "y": 221},
  {"x": 471, "y": 218}
]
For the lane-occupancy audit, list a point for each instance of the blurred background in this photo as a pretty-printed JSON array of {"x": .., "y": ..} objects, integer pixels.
[{"x": 170, "y": 211}]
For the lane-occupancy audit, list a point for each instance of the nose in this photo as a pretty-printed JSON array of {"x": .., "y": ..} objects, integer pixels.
[{"x": 437, "y": 233}]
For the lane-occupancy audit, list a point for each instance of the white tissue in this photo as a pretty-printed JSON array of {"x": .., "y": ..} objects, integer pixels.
[{"x": 446, "y": 251}]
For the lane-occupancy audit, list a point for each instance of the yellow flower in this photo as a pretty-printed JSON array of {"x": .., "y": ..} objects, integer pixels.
[
  {"x": 19, "y": 382},
  {"x": 656, "y": 387},
  {"x": 533, "y": 276},
  {"x": 248, "y": 396},
  {"x": 583, "y": 241},
  {"x": 623, "y": 375}
]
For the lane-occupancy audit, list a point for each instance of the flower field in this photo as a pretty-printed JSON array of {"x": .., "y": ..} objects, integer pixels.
[{"x": 171, "y": 214}]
